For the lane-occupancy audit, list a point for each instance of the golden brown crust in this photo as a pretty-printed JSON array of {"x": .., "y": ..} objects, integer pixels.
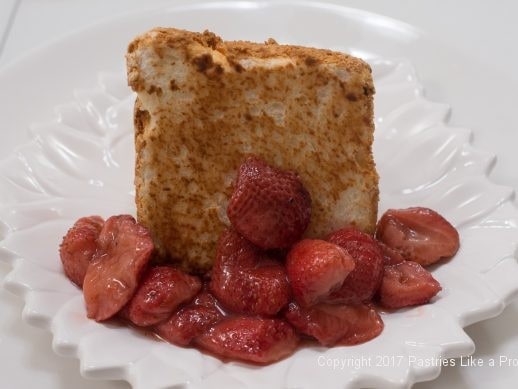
[{"x": 204, "y": 103}]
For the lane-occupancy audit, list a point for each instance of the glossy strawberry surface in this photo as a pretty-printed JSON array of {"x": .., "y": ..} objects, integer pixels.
[
  {"x": 331, "y": 324},
  {"x": 316, "y": 268},
  {"x": 161, "y": 290},
  {"x": 363, "y": 282},
  {"x": 249, "y": 338},
  {"x": 79, "y": 246},
  {"x": 191, "y": 321},
  {"x": 366, "y": 324},
  {"x": 390, "y": 255},
  {"x": 245, "y": 280},
  {"x": 419, "y": 234},
  {"x": 406, "y": 284},
  {"x": 124, "y": 249}
]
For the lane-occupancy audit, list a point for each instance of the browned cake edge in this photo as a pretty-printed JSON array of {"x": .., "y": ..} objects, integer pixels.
[{"x": 164, "y": 38}]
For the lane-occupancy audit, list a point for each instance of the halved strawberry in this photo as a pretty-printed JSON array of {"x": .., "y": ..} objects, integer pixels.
[
  {"x": 269, "y": 207},
  {"x": 419, "y": 234},
  {"x": 316, "y": 268},
  {"x": 363, "y": 282},
  {"x": 390, "y": 256},
  {"x": 366, "y": 325},
  {"x": 245, "y": 280},
  {"x": 334, "y": 324},
  {"x": 123, "y": 252},
  {"x": 161, "y": 290},
  {"x": 190, "y": 321},
  {"x": 407, "y": 284},
  {"x": 252, "y": 339},
  {"x": 79, "y": 246}
]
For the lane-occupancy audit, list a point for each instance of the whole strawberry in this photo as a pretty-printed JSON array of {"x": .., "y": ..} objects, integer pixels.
[
  {"x": 269, "y": 207},
  {"x": 363, "y": 282}
]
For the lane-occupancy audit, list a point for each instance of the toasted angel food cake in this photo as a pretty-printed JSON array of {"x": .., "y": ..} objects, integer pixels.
[{"x": 204, "y": 104}]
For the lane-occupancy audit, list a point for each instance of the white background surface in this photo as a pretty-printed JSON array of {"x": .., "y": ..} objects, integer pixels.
[{"x": 483, "y": 98}]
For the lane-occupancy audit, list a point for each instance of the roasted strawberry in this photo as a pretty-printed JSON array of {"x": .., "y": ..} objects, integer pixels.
[
  {"x": 336, "y": 323},
  {"x": 161, "y": 290},
  {"x": 206, "y": 299},
  {"x": 124, "y": 250},
  {"x": 327, "y": 323},
  {"x": 245, "y": 280},
  {"x": 79, "y": 246},
  {"x": 419, "y": 234},
  {"x": 390, "y": 256},
  {"x": 190, "y": 321},
  {"x": 407, "y": 284},
  {"x": 366, "y": 325},
  {"x": 316, "y": 268},
  {"x": 252, "y": 339},
  {"x": 269, "y": 207},
  {"x": 363, "y": 282}
]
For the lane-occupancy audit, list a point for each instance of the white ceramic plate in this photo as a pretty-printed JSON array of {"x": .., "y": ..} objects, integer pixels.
[{"x": 81, "y": 163}]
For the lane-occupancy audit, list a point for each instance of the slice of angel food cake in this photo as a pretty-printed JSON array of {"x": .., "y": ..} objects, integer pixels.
[{"x": 204, "y": 104}]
